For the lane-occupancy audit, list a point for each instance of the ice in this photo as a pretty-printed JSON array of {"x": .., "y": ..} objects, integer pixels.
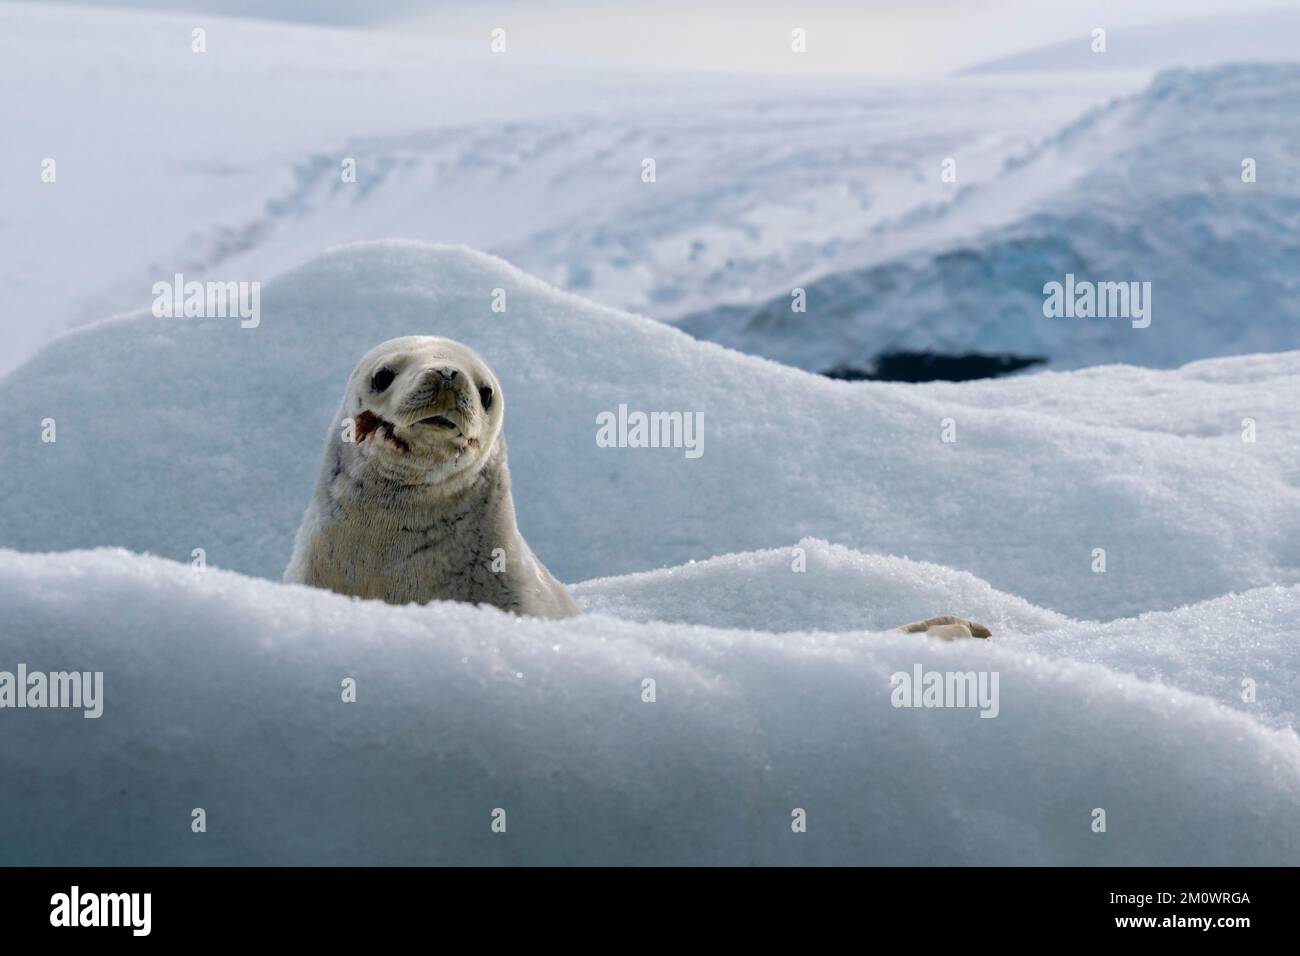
[
  {"x": 811, "y": 585},
  {"x": 1130, "y": 532},
  {"x": 223, "y": 692},
  {"x": 765, "y": 184},
  {"x": 764, "y": 178},
  {"x": 772, "y": 684},
  {"x": 177, "y": 434},
  {"x": 1148, "y": 188},
  {"x": 1208, "y": 648}
]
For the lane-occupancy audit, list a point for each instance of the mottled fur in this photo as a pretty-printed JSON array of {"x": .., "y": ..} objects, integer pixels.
[{"x": 417, "y": 506}]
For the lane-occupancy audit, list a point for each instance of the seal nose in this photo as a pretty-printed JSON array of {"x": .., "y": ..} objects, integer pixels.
[{"x": 440, "y": 376}]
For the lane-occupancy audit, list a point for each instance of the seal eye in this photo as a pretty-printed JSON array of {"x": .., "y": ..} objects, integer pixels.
[
  {"x": 382, "y": 379},
  {"x": 485, "y": 396}
]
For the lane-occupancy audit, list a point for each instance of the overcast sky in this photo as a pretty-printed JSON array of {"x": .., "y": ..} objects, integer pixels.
[{"x": 844, "y": 36}]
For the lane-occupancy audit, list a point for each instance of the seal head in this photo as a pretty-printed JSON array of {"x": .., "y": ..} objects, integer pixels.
[{"x": 413, "y": 501}]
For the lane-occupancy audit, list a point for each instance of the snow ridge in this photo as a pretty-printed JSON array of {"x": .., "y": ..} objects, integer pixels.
[
  {"x": 224, "y": 692},
  {"x": 227, "y": 461}
]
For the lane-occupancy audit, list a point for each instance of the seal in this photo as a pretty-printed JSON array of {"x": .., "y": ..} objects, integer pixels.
[
  {"x": 947, "y": 627},
  {"x": 413, "y": 501}
]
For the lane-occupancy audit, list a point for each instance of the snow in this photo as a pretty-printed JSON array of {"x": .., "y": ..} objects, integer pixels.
[
  {"x": 763, "y": 185},
  {"x": 839, "y": 590},
  {"x": 1205, "y": 648},
  {"x": 222, "y": 692},
  {"x": 758, "y": 584},
  {"x": 1239, "y": 37},
  {"x": 762, "y": 181},
  {"x": 1147, "y": 188},
  {"x": 772, "y": 684},
  {"x": 773, "y": 692},
  {"x": 176, "y": 434}
]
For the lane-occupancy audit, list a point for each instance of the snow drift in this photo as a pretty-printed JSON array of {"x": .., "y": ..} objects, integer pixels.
[
  {"x": 178, "y": 434},
  {"x": 848, "y": 509},
  {"x": 223, "y": 693},
  {"x": 772, "y": 678}
]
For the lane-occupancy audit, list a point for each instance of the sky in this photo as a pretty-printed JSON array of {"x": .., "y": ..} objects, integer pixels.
[{"x": 844, "y": 37}]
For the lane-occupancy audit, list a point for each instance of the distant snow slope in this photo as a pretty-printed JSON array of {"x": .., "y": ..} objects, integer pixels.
[
  {"x": 228, "y": 164},
  {"x": 1147, "y": 188},
  {"x": 181, "y": 434},
  {"x": 762, "y": 184},
  {"x": 1254, "y": 35},
  {"x": 224, "y": 693}
]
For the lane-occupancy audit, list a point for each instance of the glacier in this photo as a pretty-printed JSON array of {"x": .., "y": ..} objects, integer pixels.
[{"x": 1148, "y": 186}]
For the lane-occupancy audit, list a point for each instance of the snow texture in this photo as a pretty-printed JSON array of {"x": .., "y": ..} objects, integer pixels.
[
  {"x": 773, "y": 685},
  {"x": 756, "y": 585},
  {"x": 176, "y": 434},
  {"x": 222, "y": 692}
]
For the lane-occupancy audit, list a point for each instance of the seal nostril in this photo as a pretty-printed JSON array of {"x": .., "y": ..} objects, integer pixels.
[{"x": 398, "y": 558}]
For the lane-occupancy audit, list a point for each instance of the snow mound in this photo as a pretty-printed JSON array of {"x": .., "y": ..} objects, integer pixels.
[
  {"x": 1146, "y": 189},
  {"x": 1239, "y": 649},
  {"x": 223, "y": 692},
  {"x": 811, "y": 586},
  {"x": 180, "y": 434},
  {"x": 1216, "y": 648}
]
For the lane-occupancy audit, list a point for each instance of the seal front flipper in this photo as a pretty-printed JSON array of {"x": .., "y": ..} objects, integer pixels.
[{"x": 947, "y": 627}]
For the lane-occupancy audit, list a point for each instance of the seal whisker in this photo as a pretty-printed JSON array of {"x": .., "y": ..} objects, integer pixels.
[{"x": 455, "y": 494}]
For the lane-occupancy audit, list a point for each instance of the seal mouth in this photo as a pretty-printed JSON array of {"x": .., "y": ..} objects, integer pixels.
[
  {"x": 438, "y": 421},
  {"x": 368, "y": 423}
]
